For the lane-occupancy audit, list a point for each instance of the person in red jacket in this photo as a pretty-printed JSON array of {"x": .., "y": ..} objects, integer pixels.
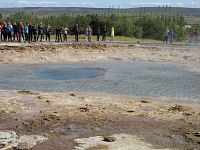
[
  {"x": 1, "y": 26},
  {"x": 5, "y": 31}
]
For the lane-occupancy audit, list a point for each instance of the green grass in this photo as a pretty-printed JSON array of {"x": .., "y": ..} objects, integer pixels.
[
  {"x": 193, "y": 20},
  {"x": 132, "y": 39},
  {"x": 108, "y": 38}
]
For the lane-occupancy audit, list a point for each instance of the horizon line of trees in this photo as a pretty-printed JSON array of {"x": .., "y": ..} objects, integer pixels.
[{"x": 139, "y": 25}]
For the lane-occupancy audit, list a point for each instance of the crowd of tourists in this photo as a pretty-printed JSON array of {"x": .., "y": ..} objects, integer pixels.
[
  {"x": 192, "y": 35},
  {"x": 26, "y": 32}
]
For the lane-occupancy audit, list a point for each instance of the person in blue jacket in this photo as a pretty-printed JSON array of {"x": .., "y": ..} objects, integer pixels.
[
  {"x": 26, "y": 32},
  {"x": 171, "y": 36},
  {"x": 10, "y": 30}
]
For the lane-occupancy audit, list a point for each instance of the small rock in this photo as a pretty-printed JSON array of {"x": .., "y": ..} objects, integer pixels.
[
  {"x": 7, "y": 139},
  {"x": 73, "y": 95},
  {"x": 193, "y": 137},
  {"x": 28, "y": 141},
  {"x": 46, "y": 135},
  {"x": 28, "y": 92},
  {"x": 23, "y": 146},
  {"x": 135, "y": 45},
  {"x": 196, "y": 134},
  {"x": 39, "y": 97},
  {"x": 84, "y": 109},
  {"x": 145, "y": 101},
  {"x": 48, "y": 101},
  {"x": 130, "y": 111},
  {"x": 109, "y": 139}
]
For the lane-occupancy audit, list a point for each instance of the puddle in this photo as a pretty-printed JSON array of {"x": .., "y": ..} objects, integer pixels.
[
  {"x": 67, "y": 73},
  {"x": 135, "y": 78}
]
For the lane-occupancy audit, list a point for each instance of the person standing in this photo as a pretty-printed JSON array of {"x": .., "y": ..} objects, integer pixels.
[
  {"x": 65, "y": 32},
  {"x": 57, "y": 35},
  {"x": 15, "y": 32},
  {"x": 76, "y": 32},
  {"x": 40, "y": 32},
  {"x": 98, "y": 33},
  {"x": 196, "y": 36},
  {"x": 22, "y": 30},
  {"x": 171, "y": 36},
  {"x": 112, "y": 34},
  {"x": 190, "y": 34},
  {"x": 60, "y": 33},
  {"x": 48, "y": 33},
  {"x": 30, "y": 33},
  {"x": 5, "y": 31},
  {"x": 19, "y": 32},
  {"x": 26, "y": 32},
  {"x": 1, "y": 30},
  {"x": 88, "y": 33},
  {"x": 10, "y": 30},
  {"x": 35, "y": 32},
  {"x": 165, "y": 38},
  {"x": 104, "y": 32}
]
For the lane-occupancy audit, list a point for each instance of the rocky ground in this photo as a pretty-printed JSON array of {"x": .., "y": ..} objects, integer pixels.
[
  {"x": 52, "y": 52},
  {"x": 96, "y": 121}
]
